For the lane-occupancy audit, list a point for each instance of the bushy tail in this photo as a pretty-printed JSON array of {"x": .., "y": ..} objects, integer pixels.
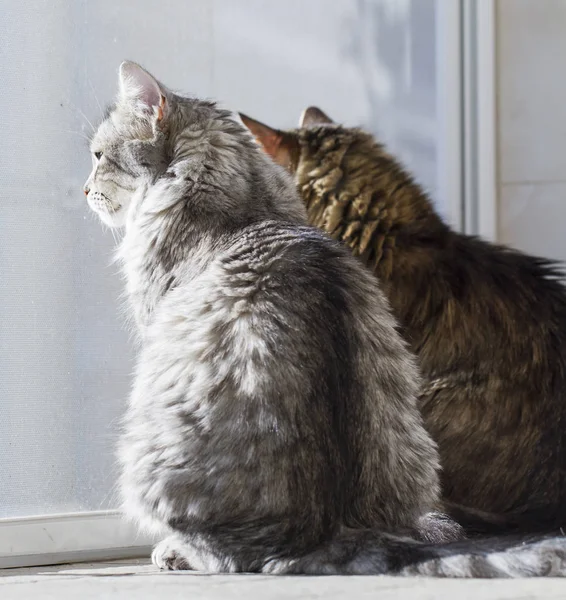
[
  {"x": 371, "y": 553},
  {"x": 494, "y": 559}
]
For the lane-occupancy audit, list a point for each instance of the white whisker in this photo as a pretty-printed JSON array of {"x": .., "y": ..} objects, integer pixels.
[
  {"x": 94, "y": 94},
  {"x": 79, "y": 133},
  {"x": 80, "y": 112}
]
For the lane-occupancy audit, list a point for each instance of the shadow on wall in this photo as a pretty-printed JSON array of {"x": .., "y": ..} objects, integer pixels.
[{"x": 389, "y": 41}]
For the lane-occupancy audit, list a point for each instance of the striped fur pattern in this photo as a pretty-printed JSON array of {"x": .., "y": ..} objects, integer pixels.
[
  {"x": 273, "y": 423},
  {"x": 488, "y": 325}
]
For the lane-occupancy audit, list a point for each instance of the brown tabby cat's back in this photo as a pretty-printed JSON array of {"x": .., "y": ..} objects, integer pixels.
[{"x": 488, "y": 324}]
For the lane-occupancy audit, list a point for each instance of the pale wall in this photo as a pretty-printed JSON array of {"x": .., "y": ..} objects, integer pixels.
[{"x": 531, "y": 125}]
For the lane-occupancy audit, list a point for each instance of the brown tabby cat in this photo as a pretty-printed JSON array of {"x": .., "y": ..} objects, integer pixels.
[{"x": 488, "y": 324}]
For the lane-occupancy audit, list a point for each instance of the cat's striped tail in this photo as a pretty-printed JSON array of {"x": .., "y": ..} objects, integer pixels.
[
  {"x": 541, "y": 558},
  {"x": 371, "y": 553}
]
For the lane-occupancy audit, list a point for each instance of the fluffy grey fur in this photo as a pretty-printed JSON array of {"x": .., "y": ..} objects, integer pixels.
[{"x": 272, "y": 425}]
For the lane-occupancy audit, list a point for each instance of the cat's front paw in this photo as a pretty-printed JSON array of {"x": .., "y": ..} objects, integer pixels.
[{"x": 168, "y": 555}]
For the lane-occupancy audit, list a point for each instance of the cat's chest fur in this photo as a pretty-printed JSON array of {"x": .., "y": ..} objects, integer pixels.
[{"x": 150, "y": 254}]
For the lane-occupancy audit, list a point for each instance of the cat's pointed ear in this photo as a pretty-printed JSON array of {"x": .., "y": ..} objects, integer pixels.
[
  {"x": 314, "y": 116},
  {"x": 268, "y": 138},
  {"x": 281, "y": 146},
  {"x": 141, "y": 90}
]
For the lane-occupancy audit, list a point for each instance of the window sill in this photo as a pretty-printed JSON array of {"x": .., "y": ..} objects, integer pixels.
[{"x": 139, "y": 579}]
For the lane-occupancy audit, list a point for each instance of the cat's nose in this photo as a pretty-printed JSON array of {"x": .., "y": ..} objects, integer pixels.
[{"x": 86, "y": 190}]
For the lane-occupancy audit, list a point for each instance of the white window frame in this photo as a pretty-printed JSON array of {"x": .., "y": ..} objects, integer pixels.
[
  {"x": 71, "y": 537},
  {"x": 467, "y": 156},
  {"x": 450, "y": 163},
  {"x": 479, "y": 118},
  {"x": 467, "y": 187}
]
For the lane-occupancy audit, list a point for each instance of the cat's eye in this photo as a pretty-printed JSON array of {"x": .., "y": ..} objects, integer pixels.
[{"x": 98, "y": 155}]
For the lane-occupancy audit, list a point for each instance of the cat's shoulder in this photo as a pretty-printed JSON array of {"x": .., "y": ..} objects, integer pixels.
[{"x": 270, "y": 241}]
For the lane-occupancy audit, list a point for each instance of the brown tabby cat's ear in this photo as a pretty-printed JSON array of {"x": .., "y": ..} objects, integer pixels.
[
  {"x": 314, "y": 116},
  {"x": 271, "y": 140}
]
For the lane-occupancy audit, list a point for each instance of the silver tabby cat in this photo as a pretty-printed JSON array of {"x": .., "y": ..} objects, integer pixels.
[{"x": 272, "y": 425}]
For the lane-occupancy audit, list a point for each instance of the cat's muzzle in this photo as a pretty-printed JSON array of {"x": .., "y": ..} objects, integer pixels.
[{"x": 100, "y": 202}]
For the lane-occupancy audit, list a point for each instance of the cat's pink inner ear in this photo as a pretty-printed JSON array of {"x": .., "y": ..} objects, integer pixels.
[
  {"x": 161, "y": 108},
  {"x": 314, "y": 116},
  {"x": 137, "y": 86},
  {"x": 268, "y": 138}
]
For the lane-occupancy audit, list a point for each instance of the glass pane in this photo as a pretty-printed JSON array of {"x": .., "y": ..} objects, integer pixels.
[
  {"x": 369, "y": 63},
  {"x": 65, "y": 354}
]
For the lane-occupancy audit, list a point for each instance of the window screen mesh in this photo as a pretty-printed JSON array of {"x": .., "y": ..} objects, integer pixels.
[{"x": 65, "y": 356}]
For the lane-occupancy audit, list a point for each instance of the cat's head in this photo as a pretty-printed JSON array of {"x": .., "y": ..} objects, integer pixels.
[
  {"x": 154, "y": 137},
  {"x": 338, "y": 171},
  {"x": 129, "y": 147}
]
